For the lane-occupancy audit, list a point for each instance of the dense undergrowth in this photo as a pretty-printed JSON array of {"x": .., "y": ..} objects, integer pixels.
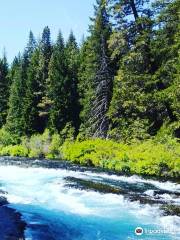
[{"x": 155, "y": 157}]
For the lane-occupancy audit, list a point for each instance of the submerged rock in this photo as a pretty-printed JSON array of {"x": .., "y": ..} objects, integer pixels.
[
  {"x": 11, "y": 224},
  {"x": 173, "y": 210},
  {"x": 127, "y": 190},
  {"x": 90, "y": 185},
  {"x": 3, "y": 201},
  {"x": 144, "y": 199}
]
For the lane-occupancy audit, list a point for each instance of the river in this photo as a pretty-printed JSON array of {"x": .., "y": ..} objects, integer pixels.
[{"x": 74, "y": 203}]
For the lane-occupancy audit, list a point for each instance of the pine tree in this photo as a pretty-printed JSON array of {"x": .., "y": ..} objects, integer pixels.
[
  {"x": 57, "y": 90},
  {"x": 103, "y": 92},
  {"x": 86, "y": 74},
  {"x": 31, "y": 46},
  {"x": 123, "y": 82},
  {"x": 44, "y": 60},
  {"x": 143, "y": 98},
  {"x": 72, "y": 62},
  {"x": 166, "y": 50},
  {"x": 96, "y": 74},
  {"x": 16, "y": 122},
  {"x": 15, "y": 64},
  {"x": 131, "y": 106},
  {"x": 4, "y": 90},
  {"x": 46, "y": 51},
  {"x": 17, "y": 118},
  {"x": 33, "y": 95}
]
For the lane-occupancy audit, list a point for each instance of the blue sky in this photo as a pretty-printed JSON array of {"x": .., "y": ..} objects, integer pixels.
[{"x": 18, "y": 17}]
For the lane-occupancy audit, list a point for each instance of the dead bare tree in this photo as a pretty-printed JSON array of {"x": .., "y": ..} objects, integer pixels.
[{"x": 103, "y": 91}]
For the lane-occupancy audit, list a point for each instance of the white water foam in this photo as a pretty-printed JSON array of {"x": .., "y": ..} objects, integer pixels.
[
  {"x": 170, "y": 186},
  {"x": 44, "y": 191}
]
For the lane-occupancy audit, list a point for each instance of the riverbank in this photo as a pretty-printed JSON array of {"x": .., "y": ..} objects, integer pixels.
[
  {"x": 159, "y": 158},
  {"x": 70, "y": 165}
]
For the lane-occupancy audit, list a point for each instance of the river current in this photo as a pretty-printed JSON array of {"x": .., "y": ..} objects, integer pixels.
[{"x": 56, "y": 207}]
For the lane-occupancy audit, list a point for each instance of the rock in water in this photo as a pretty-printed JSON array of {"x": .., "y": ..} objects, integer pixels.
[{"x": 11, "y": 225}]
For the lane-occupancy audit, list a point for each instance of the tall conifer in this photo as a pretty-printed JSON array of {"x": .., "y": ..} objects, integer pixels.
[
  {"x": 4, "y": 90},
  {"x": 96, "y": 74}
]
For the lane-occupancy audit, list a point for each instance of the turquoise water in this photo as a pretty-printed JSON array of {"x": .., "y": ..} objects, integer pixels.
[{"x": 54, "y": 211}]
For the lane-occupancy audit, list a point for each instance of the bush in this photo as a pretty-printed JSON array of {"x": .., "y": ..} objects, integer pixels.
[
  {"x": 43, "y": 146},
  {"x": 19, "y": 151},
  {"x": 55, "y": 144},
  {"x": 5, "y": 151},
  {"x": 145, "y": 158},
  {"x": 168, "y": 131},
  {"x": 155, "y": 157},
  {"x": 15, "y": 151},
  {"x": 7, "y": 138},
  {"x": 97, "y": 152},
  {"x": 39, "y": 145},
  {"x": 67, "y": 133}
]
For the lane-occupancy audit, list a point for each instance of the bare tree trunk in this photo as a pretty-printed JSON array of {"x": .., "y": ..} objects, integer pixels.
[{"x": 103, "y": 92}]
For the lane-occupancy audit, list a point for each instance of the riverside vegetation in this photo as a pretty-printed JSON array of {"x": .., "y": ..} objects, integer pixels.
[
  {"x": 112, "y": 102},
  {"x": 154, "y": 157}
]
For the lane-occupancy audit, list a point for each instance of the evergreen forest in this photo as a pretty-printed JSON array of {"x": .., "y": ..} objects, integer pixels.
[{"x": 111, "y": 101}]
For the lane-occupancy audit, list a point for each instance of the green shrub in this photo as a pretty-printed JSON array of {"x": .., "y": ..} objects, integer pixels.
[
  {"x": 36, "y": 146},
  {"x": 7, "y": 138},
  {"x": 44, "y": 146},
  {"x": 145, "y": 158},
  {"x": 55, "y": 144},
  {"x": 97, "y": 152},
  {"x": 19, "y": 151},
  {"x": 167, "y": 132},
  {"x": 156, "y": 157},
  {"x": 68, "y": 133},
  {"x": 5, "y": 151},
  {"x": 15, "y": 151}
]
